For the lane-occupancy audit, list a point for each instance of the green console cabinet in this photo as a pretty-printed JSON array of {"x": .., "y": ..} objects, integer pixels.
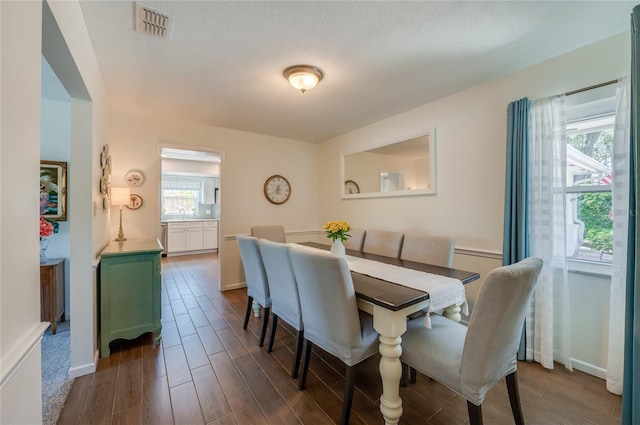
[{"x": 130, "y": 291}]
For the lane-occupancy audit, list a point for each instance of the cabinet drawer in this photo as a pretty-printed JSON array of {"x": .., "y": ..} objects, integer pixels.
[
  {"x": 210, "y": 224},
  {"x": 176, "y": 226},
  {"x": 194, "y": 225}
]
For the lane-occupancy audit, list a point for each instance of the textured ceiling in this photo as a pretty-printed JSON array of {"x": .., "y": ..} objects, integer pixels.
[{"x": 223, "y": 64}]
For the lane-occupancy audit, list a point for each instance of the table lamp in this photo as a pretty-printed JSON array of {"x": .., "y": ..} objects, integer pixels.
[{"x": 120, "y": 196}]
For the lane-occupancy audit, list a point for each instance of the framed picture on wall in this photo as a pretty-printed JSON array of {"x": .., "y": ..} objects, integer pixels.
[{"x": 53, "y": 190}]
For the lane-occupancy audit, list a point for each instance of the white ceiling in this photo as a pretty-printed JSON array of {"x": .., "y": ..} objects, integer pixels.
[{"x": 223, "y": 64}]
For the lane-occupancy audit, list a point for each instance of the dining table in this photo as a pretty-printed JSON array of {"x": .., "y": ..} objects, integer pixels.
[{"x": 390, "y": 303}]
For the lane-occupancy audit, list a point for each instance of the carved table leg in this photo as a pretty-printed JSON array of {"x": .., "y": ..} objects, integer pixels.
[
  {"x": 390, "y": 372},
  {"x": 390, "y": 325},
  {"x": 256, "y": 309},
  {"x": 453, "y": 313}
]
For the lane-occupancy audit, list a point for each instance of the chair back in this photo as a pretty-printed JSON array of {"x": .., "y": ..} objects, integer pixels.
[
  {"x": 254, "y": 272},
  {"x": 495, "y": 326},
  {"x": 285, "y": 302},
  {"x": 383, "y": 242},
  {"x": 436, "y": 250},
  {"x": 273, "y": 233},
  {"x": 328, "y": 301},
  {"x": 356, "y": 240}
]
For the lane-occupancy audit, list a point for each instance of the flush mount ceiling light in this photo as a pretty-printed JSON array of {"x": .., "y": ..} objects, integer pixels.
[{"x": 303, "y": 77}]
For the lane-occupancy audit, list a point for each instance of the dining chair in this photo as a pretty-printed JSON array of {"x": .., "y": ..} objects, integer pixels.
[
  {"x": 356, "y": 240},
  {"x": 285, "y": 302},
  {"x": 470, "y": 361},
  {"x": 436, "y": 250},
  {"x": 257, "y": 286},
  {"x": 273, "y": 233},
  {"x": 383, "y": 242},
  {"x": 330, "y": 316}
]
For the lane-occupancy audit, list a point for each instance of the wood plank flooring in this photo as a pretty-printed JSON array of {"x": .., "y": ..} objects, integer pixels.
[{"x": 207, "y": 370}]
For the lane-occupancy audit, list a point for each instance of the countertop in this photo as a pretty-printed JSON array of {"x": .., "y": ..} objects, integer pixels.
[
  {"x": 131, "y": 247},
  {"x": 186, "y": 220}
]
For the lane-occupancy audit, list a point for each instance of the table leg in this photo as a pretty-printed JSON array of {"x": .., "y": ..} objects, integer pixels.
[
  {"x": 453, "y": 313},
  {"x": 390, "y": 325},
  {"x": 390, "y": 372},
  {"x": 256, "y": 309}
]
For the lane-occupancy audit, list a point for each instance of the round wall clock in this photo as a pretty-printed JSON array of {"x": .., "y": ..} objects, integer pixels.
[
  {"x": 277, "y": 189},
  {"x": 351, "y": 187},
  {"x": 136, "y": 202},
  {"x": 134, "y": 178}
]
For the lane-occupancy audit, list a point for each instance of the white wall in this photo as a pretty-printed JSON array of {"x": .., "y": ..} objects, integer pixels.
[
  {"x": 184, "y": 166},
  {"x": 67, "y": 48},
  {"x": 20, "y": 327},
  {"x": 471, "y": 140},
  {"x": 58, "y": 30},
  {"x": 248, "y": 159},
  {"x": 54, "y": 146}
]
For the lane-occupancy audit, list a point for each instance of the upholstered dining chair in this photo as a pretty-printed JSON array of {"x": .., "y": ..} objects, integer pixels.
[
  {"x": 436, "y": 250},
  {"x": 257, "y": 286},
  {"x": 285, "y": 302},
  {"x": 383, "y": 242},
  {"x": 330, "y": 316},
  {"x": 356, "y": 240},
  {"x": 273, "y": 233},
  {"x": 470, "y": 361}
]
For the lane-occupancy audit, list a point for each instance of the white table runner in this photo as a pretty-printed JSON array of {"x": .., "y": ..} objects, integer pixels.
[{"x": 443, "y": 291}]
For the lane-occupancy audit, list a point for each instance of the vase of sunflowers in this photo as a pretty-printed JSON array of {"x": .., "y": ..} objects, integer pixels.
[{"x": 338, "y": 232}]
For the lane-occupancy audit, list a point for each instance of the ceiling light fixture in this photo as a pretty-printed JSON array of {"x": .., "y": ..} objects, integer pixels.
[{"x": 303, "y": 77}]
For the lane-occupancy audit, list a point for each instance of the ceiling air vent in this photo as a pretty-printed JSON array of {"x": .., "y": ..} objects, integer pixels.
[{"x": 153, "y": 22}]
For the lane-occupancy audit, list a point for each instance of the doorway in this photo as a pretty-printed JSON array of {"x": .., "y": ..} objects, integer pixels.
[{"x": 190, "y": 200}]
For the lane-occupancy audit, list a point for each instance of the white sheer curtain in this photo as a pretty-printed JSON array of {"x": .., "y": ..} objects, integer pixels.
[
  {"x": 620, "y": 164},
  {"x": 547, "y": 227}
]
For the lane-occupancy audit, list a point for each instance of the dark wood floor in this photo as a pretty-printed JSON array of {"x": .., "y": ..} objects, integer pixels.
[{"x": 207, "y": 370}]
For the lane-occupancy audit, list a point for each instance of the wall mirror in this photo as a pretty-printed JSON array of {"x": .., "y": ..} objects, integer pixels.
[{"x": 401, "y": 167}]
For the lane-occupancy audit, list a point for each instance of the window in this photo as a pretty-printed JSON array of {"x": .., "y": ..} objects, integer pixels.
[
  {"x": 588, "y": 188},
  {"x": 184, "y": 195}
]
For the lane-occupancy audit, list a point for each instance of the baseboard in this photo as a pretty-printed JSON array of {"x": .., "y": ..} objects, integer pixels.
[
  {"x": 589, "y": 368},
  {"x": 234, "y": 286},
  {"x": 86, "y": 369}
]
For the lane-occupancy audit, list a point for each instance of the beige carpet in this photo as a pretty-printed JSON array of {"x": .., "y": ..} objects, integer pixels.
[{"x": 56, "y": 361}]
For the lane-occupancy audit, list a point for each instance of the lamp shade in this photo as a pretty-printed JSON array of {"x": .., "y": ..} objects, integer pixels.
[
  {"x": 303, "y": 77},
  {"x": 120, "y": 196}
]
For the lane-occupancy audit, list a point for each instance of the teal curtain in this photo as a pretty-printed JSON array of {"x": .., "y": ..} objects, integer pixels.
[
  {"x": 631, "y": 384},
  {"x": 515, "y": 245}
]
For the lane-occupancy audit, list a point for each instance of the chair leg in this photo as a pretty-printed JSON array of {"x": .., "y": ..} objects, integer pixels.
[
  {"x": 305, "y": 364},
  {"x": 248, "y": 312},
  {"x": 475, "y": 413},
  {"x": 413, "y": 375},
  {"x": 514, "y": 398},
  {"x": 265, "y": 322},
  {"x": 348, "y": 396},
  {"x": 405, "y": 373},
  {"x": 296, "y": 360},
  {"x": 272, "y": 337}
]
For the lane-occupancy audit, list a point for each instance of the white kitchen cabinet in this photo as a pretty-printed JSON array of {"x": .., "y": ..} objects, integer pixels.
[
  {"x": 194, "y": 235},
  {"x": 210, "y": 236},
  {"x": 185, "y": 236},
  {"x": 176, "y": 237}
]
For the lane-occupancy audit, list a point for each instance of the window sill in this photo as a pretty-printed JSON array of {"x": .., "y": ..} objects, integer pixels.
[{"x": 589, "y": 267}]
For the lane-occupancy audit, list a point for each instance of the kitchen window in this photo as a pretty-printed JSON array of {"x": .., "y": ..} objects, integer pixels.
[{"x": 184, "y": 195}]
